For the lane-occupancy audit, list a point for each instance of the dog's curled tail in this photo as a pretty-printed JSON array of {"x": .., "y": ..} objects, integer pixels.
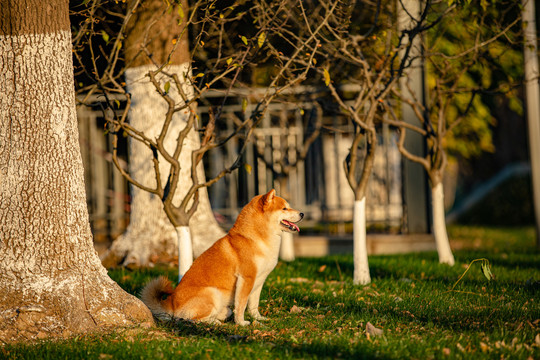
[{"x": 152, "y": 295}]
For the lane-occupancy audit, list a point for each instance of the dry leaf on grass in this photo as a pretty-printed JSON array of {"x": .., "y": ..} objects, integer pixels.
[
  {"x": 371, "y": 330},
  {"x": 484, "y": 347},
  {"x": 299, "y": 280}
]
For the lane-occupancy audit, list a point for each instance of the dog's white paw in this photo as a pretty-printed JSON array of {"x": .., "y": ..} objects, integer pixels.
[
  {"x": 255, "y": 314},
  {"x": 243, "y": 322}
]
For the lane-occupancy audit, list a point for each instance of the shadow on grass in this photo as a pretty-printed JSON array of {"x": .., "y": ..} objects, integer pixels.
[
  {"x": 512, "y": 260},
  {"x": 284, "y": 346}
]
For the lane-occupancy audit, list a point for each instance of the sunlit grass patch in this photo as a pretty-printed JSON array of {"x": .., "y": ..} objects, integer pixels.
[{"x": 314, "y": 311}]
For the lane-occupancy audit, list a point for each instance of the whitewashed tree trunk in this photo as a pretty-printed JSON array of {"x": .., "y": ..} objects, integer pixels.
[
  {"x": 150, "y": 231},
  {"x": 185, "y": 258},
  {"x": 52, "y": 282},
  {"x": 361, "y": 266},
  {"x": 439, "y": 226},
  {"x": 286, "y": 251}
]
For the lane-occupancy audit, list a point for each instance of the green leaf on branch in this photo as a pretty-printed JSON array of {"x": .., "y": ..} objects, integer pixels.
[
  {"x": 105, "y": 36},
  {"x": 244, "y": 104},
  {"x": 244, "y": 39},
  {"x": 486, "y": 269},
  {"x": 261, "y": 39},
  {"x": 248, "y": 168},
  {"x": 167, "y": 87},
  {"x": 229, "y": 61},
  {"x": 326, "y": 77},
  {"x": 180, "y": 12},
  {"x": 484, "y": 4}
]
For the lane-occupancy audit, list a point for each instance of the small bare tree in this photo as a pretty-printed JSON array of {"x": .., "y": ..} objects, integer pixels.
[
  {"x": 372, "y": 56},
  {"x": 231, "y": 57},
  {"x": 140, "y": 37},
  {"x": 453, "y": 102}
]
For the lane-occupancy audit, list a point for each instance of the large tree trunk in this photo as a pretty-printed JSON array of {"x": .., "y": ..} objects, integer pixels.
[
  {"x": 149, "y": 231},
  {"x": 361, "y": 266},
  {"x": 439, "y": 225},
  {"x": 51, "y": 280}
]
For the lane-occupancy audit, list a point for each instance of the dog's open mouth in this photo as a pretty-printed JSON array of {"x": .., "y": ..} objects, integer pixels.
[{"x": 290, "y": 225}]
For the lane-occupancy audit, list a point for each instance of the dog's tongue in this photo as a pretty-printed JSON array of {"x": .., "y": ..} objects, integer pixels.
[{"x": 292, "y": 225}]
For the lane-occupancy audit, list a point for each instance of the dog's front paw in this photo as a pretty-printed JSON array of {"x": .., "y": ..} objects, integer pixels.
[
  {"x": 259, "y": 317},
  {"x": 243, "y": 322},
  {"x": 255, "y": 314}
]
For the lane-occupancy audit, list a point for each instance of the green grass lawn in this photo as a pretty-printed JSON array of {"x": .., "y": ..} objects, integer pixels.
[{"x": 315, "y": 311}]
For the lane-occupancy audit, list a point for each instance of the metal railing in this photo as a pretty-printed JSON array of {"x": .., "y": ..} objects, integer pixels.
[{"x": 316, "y": 185}]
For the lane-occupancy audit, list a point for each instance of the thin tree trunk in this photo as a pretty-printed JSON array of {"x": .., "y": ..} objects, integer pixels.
[
  {"x": 286, "y": 251},
  {"x": 150, "y": 231},
  {"x": 184, "y": 250},
  {"x": 361, "y": 267},
  {"x": 439, "y": 225},
  {"x": 51, "y": 280}
]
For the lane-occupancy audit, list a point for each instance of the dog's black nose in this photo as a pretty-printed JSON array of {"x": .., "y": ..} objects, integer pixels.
[{"x": 301, "y": 215}]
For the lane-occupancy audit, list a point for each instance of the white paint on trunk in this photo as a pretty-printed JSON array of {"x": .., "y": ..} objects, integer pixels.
[
  {"x": 47, "y": 258},
  {"x": 439, "y": 226},
  {"x": 42, "y": 190},
  {"x": 286, "y": 252},
  {"x": 185, "y": 251},
  {"x": 361, "y": 266},
  {"x": 149, "y": 230}
]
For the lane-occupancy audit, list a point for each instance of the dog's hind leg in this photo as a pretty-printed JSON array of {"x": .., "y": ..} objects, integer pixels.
[
  {"x": 225, "y": 313},
  {"x": 205, "y": 307}
]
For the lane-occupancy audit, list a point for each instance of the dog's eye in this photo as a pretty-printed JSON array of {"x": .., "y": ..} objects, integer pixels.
[{"x": 284, "y": 208}]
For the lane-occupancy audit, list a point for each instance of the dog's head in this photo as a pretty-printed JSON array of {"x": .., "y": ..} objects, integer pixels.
[{"x": 280, "y": 212}]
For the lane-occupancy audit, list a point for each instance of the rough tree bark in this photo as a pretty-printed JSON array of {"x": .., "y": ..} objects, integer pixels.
[
  {"x": 52, "y": 282},
  {"x": 151, "y": 37}
]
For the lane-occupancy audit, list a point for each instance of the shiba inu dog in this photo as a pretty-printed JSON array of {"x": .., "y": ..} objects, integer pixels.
[{"x": 230, "y": 272}]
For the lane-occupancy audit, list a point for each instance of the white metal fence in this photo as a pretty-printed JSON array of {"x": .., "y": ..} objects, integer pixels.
[{"x": 317, "y": 185}]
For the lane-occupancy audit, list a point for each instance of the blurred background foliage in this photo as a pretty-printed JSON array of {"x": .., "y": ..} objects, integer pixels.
[
  {"x": 492, "y": 133},
  {"x": 494, "y": 72}
]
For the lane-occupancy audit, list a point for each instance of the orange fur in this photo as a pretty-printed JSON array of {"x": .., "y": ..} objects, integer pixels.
[{"x": 233, "y": 270}]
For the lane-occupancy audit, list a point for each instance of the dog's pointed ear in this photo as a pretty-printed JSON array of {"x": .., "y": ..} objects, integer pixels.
[{"x": 269, "y": 197}]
